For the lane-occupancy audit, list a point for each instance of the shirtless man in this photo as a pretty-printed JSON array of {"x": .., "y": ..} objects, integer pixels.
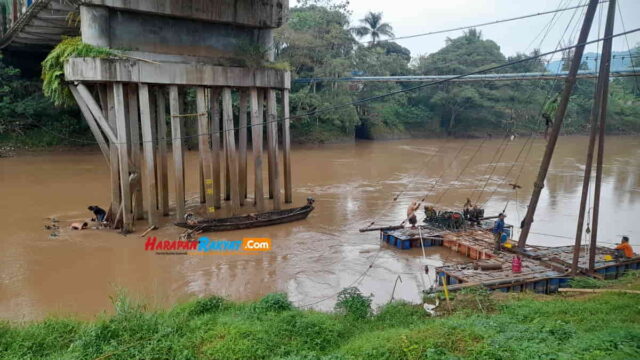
[{"x": 411, "y": 214}]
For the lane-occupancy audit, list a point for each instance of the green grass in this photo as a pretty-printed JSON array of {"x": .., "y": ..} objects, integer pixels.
[{"x": 594, "y": 326}]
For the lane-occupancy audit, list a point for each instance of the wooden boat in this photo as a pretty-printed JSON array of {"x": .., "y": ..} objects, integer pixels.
[{"x": 250, "y": 221}]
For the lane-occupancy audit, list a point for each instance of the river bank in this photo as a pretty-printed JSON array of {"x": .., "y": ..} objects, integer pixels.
[{"x": 500, "y": 326}]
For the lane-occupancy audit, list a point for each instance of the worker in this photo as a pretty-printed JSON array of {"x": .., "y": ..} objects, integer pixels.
[
  {"x": 548, "y": 113},
  {"x": 411, "y": 214},
  {"x": 624, "y": 249},
  {"x": 498, "y": 229},
  {"x": 98, "y": 212}
]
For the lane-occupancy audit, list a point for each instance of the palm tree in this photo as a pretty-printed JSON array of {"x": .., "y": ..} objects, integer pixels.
[{"x": 372, "y": 25}]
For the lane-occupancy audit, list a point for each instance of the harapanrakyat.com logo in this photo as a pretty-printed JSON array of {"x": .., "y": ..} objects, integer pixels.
[{"x": 206, "y": 246}]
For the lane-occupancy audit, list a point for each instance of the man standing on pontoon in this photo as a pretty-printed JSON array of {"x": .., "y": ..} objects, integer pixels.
[{"x": 498, "y": 230}]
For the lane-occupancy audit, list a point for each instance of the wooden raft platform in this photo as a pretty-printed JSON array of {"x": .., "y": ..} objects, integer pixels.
[
  {"x": 544, "y": 269},
  {"x": 563, "y": 256}
]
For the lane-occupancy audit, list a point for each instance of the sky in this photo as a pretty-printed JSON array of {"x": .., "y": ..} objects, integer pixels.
[{"x": 419, "y": 16}]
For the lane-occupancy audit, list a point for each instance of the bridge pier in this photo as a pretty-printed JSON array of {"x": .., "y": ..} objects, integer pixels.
[
  {"x": 141, "y": 124},
  {"x": 184, "y": 75}
]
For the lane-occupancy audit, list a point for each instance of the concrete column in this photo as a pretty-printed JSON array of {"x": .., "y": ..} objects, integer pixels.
[
  {"x": 265, "y": 38},
  {"x": 95, "y": 25}
]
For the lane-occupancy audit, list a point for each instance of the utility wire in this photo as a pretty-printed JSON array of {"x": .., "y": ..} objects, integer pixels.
[
  {"x": 480, "y": 24},
  {"x": 401, "y": 91},
  {"x": 631, "y": 56}
]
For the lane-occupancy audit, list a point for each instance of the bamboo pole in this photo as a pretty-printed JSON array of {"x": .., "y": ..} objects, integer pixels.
[
  {"x": 256, "y": 141},
  {"x": 605, "y": 69},
  {"x": 557, "y": 125},
  {"x": 177, "y": 147},
  {"x": 149, "y": 178},
  {"x": 230, "y": 149},
  {"x": 603, "y": 79}
]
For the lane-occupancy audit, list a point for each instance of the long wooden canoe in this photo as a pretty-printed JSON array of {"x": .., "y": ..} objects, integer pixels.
[{"x": 250, "y": 221}]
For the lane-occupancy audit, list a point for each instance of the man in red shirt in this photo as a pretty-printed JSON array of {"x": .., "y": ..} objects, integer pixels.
[{"x": 624, "y": 250}]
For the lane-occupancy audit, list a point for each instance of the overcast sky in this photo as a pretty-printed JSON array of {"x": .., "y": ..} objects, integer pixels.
[{"x": 419, "y": 16}]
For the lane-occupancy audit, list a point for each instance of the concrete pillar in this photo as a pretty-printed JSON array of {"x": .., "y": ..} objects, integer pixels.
[
  {"x": 177, "y": 145},
  {"x": 95, "y": 25},
  {"x": 272, "y": 148}
]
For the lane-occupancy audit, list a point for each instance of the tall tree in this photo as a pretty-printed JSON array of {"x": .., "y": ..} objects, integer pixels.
[{"x": 373, "y": 26}]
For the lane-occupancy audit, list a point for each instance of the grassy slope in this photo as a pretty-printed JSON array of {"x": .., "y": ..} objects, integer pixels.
[{"x": 522, "y": 327}]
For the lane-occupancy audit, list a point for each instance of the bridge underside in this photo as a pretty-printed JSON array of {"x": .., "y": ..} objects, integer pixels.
[{"x": 42, "y": 26}]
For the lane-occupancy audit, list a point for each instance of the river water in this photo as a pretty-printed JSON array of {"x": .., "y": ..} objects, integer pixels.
[{"x": 76, "y": 272}]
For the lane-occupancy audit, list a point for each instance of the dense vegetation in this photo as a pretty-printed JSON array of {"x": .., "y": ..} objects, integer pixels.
[
  {"x": 447, "y": 109},
  {"x": 520, "y": 326},
  {"x": 319, "y": 41}
]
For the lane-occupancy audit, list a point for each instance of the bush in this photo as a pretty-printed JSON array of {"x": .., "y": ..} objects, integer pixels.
[
  {"x": 352, "y": 303},
  {"x": 54, "y": 85},
  {"x": 276, "y": 302},
  {"x": 207, "y": 305},
  {"x": 28, "y": 119}
]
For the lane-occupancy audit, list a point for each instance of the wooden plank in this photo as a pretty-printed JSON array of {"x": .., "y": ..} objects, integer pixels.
[
  {"x": 205, "y": 148},
  {"x": 149, "y": 178},
  {"x": 93, "y": 126},
  {"x": 286, "y": 145},
  {"x": 230, "y": 147},
  {"x": 136, "y": 153},
  {"x": 114, "y": 171},
  {"x": 242, "y": 143},
  {"x": 214, "y": 104},
  {"x": 162, "y": 169},
  {"x": 123, "y": 157},
  {"x": 102, "y": 96},
  {"x": 178, "y": 156},
  {"x": 272, "y": 143},
  {"x": 256, "y": 140},
  {"x": 97, "y": 112}
]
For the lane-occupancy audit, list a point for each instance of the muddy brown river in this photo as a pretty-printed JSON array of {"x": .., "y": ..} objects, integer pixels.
[{"x": 76, "y": 272}]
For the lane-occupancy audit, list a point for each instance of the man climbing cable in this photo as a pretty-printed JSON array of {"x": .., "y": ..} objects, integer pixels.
[{"x": 548, "y": 113}]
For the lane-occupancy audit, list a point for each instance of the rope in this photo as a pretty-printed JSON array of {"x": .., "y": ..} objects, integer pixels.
[
  {"x": 355, "y": 282},
  {"x": 463, "y": 170},
  {"x": 383, "y": 210},
  {"x": 493, "y": 162}
]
